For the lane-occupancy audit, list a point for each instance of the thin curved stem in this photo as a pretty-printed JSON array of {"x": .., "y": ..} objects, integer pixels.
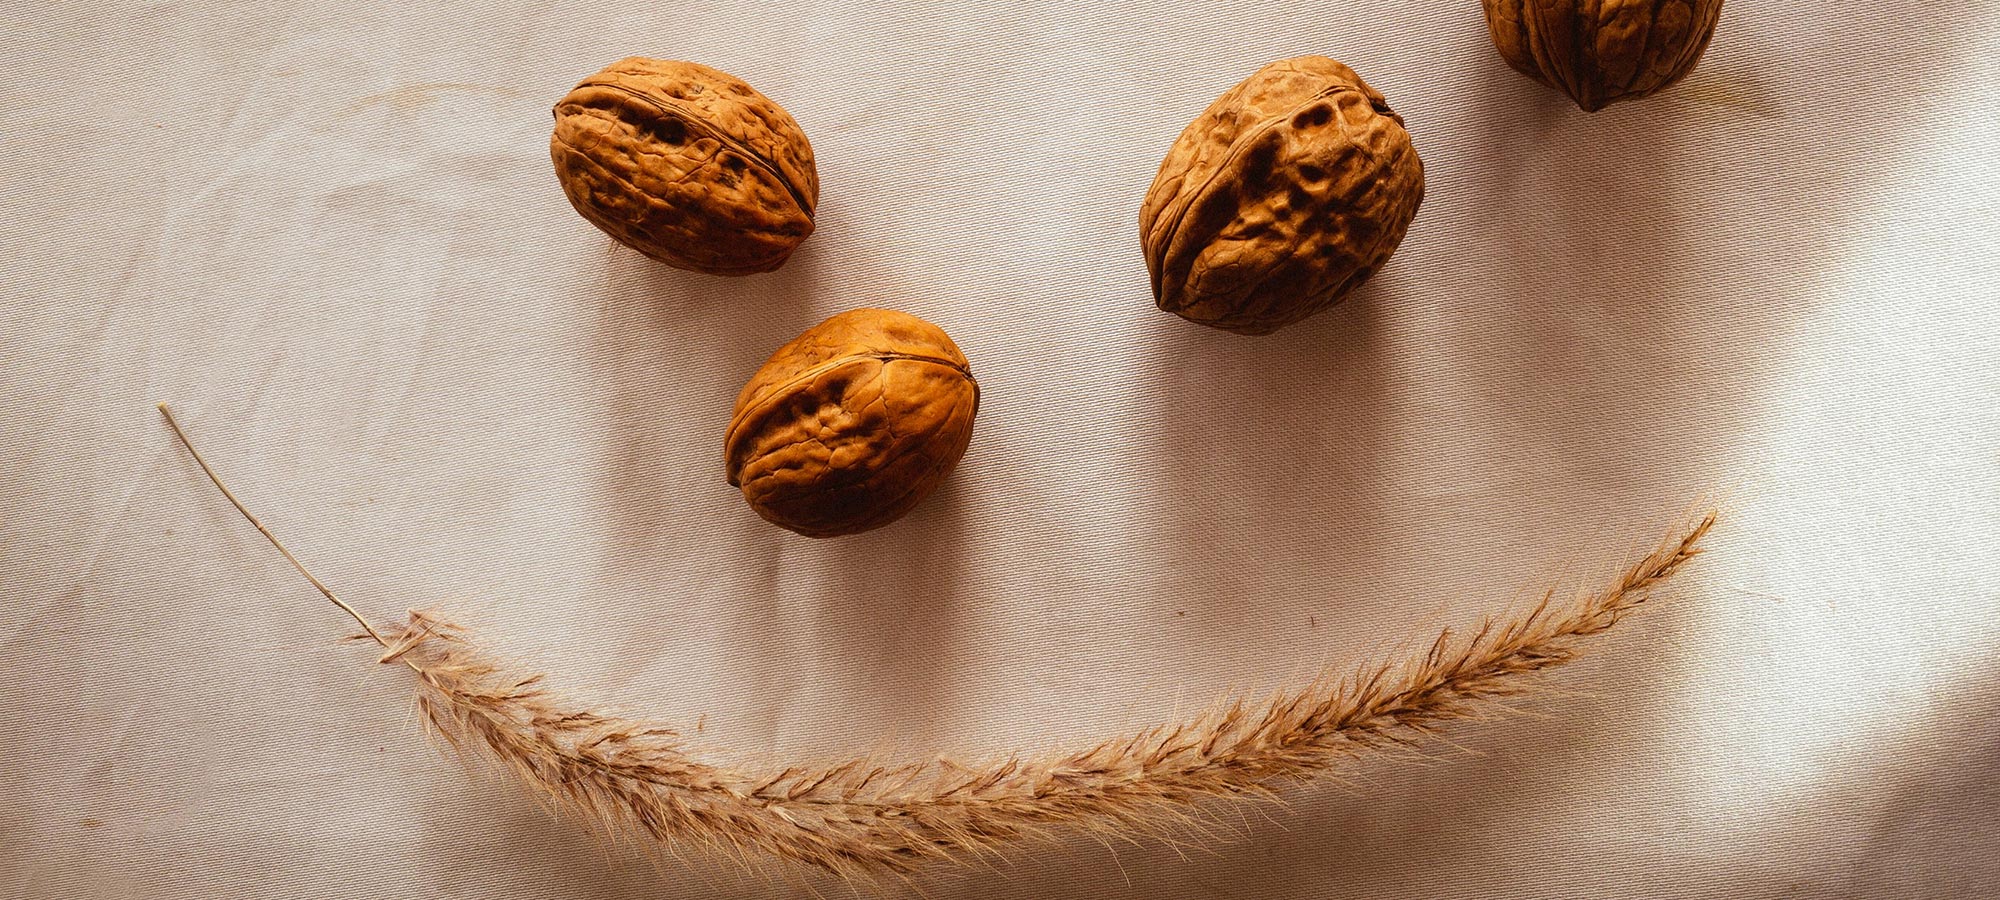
[{"x": 266, "y": 532}]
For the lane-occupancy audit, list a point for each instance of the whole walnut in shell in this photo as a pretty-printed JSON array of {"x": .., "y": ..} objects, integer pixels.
[
  {"x": 1602, "y": 51},
  {"x": 1283, "y": 197},
  {"x": 687, "y": 165},
  {"x": 852, "y": 423}
]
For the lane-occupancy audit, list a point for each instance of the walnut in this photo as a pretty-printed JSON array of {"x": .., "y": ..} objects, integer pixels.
[
  {"x": 1602, "y": 51},
  {"x": 687, "y": 165},
  {"x": 852, "y": 423},
  {"x": 1280, "y": 199}
]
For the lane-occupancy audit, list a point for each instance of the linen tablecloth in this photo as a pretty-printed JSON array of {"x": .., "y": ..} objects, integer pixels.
[{"x": 330, "y": 236}]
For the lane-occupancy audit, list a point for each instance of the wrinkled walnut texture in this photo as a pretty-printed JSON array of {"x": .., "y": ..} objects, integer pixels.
[
  {"x": 687, "y": 165},
  {"x": 1602, "y": 51},
  {"x": 1288, "y": 193},
  {"x": 852, "y": 423}
]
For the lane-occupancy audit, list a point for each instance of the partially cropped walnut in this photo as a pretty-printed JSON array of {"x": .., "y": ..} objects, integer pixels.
[
  {"x": 1284, "y": 196},
  {"x": 852, "y": 423},
  {"x": 687, "y": 165},
  {"x": 1602, "y": 51}
]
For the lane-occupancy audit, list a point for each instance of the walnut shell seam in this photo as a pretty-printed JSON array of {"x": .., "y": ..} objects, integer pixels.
[
  {"x": 691, "y": 118},
  {"x": 1600, "y": 53},
  {"x": 782, "y": 392},
  {"x": 584, "y": 158},
  {"x": 1245, "y": 143}
]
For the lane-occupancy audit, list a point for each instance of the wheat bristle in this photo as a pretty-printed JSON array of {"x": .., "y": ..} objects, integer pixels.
[{"x": 857, "y": 817}]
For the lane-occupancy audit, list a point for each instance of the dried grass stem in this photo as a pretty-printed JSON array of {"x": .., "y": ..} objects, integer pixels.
[{"x": 858, "y": 817}]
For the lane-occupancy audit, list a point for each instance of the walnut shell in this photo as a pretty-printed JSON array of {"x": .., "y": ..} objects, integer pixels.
[
  {"x": 852, "y": 423},
  {"x": 1284, "y": 196},
  {"x": 1602, "y": 51},
  {"x": 687, "y": 165}
]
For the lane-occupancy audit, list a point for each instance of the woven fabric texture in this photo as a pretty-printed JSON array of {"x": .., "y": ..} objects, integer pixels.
[{"x": 330, "y": 235}]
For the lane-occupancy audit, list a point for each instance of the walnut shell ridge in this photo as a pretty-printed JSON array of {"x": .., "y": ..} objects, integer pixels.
[
  {"x": 852, "y": 423},
  {"x": 686, "y": 164},
  {"x": 1602, "y": 51},
  {"x": 1280, "y": 199}
]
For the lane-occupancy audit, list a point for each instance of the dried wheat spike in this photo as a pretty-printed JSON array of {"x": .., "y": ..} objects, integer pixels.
[{"x": 860, "y": 817}]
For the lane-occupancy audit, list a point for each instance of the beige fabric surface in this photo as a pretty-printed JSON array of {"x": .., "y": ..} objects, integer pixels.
[{"x": 331, "y": 236}]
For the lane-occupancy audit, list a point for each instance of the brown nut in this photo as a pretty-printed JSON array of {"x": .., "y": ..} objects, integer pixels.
[
  {"x": 687, "y": 165},
  {"x": 1602, "y": 51},
  {"x": 1284, "y": 196},
  {"x": 852, "y": 423}
]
